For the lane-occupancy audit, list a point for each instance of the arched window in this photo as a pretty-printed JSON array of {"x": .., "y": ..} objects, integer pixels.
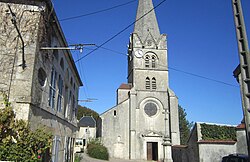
[
  {"x": 62, "y": 63},
  {"x": 153, "y": 62},
  {"x": 147, "y": 83},
  {"x": 154, "y": 84},
  {"x": 147, "y": 61}
]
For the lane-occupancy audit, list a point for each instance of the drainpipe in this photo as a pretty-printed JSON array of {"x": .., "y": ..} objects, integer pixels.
[{"x": 13, "y": 20}]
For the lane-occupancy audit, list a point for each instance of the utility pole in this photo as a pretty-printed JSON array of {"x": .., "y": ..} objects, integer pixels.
[{"x": 244, "y": 56}]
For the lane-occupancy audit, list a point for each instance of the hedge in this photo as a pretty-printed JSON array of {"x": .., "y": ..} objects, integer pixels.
[{"x": 217, "y": 132}]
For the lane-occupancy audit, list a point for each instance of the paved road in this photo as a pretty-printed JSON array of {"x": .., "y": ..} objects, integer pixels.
[{"x": 86, "y": 158}]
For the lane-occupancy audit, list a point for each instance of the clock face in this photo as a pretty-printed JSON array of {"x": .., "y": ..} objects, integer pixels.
[{"x": 138, "y": 53}]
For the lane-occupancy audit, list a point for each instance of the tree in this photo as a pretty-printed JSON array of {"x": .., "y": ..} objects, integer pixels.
[
  {"x": 84, "y": 111},
  {"x": 18, "y": 142},
  {"x": 184, "y": 126}
]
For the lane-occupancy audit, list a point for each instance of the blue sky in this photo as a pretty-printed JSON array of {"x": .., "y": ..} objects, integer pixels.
[{"x": 201, "y": 41}]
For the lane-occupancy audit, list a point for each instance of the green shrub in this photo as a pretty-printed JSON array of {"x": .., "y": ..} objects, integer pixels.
[
  {"x": 97, "y": 150},
  {"x": 78, "y": 158},
  {"x": 18, "y": 142},
  {"x": 217, "y": 132}
]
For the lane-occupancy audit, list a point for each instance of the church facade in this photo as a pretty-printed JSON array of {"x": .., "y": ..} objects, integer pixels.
[{"x": 144, "y": 124}]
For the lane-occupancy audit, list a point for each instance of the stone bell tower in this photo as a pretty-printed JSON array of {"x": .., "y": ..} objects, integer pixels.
[
  {"x": 153, "y": 106},
  {"x": 144, "y": 124},
  {"x": 147, "y": 48}
]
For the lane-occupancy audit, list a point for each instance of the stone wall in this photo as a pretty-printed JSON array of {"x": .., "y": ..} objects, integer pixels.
[
  {"x": 179, "y": 153},
  {"x": 214, "y": 152},
  {"x": 28, "y": 87},
  {"x": 193, "y": 149},
  {"x": 241, "y": 141},
  {"x": 115, "y": 130},
  {"x": 15, "y": 81},
  {"x": 200, "y": 150}
]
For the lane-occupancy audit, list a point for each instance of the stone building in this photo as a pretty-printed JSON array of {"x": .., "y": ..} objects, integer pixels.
[
  {"x": 42, "y": 85},
  {"x": 144, "y": 124},
  {"x": 206, "y": 146},
  {"x": 87, "y": 129}
]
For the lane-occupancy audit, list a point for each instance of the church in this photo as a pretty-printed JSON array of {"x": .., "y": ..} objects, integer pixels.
[{"x": 144, "y": 124}]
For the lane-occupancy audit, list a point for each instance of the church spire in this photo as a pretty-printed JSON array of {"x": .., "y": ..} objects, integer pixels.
[{"x": 147, "y": 24}]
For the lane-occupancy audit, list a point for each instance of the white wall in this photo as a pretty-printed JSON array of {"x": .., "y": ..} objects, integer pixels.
[{"x": 215, "y": 152}]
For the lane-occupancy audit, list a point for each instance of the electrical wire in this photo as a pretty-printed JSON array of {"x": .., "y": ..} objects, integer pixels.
[
  {"x": 121, "y": 31},
  {"x": 81, "y": 71},
  {"x": 101, "y": 46},
  {"x": 181, "y": 71},
  {"x": 107, "y": 49},
  {"x": 203, "y": 77},
  {"x": 96, "y": 12},
  {"x": 82, "y": 74}
]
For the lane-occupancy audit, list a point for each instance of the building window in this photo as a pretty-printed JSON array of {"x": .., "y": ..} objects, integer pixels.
[
  {"x": 73, "y": 107},
  {"x": 52, "y": 91},
  {"x": 114, "y": 112},
  {"x": 60, "y": 88},
  {"x": 71, "y": 81},
  {"x": 66, "y": 101},
  {"x": 69, "y": 105},
  {"x": 55, "y": 53},
  {"x": 150, "y": 109},
  {"x": 154, "y": 84},
  {"x": 119, "y": 139},
  {"x": 153, "y": 62},
  {"x": 42, "y": 77},
  {"x": 56, "y": 148},
  {"x": 67, "y": 76},
  {"x": 62, "y": 64},
  {"x": 147, "y": 83},
  {"x": 147, "y": 61},
  {"x": 67, "y": 148}
]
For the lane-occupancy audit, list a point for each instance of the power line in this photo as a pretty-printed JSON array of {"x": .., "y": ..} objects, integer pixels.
[
  {"x": 203, "y": 77},
  {"x": 82, "y": 73},
  {"x": 96, "y": 12},
  {"x": 181, "y": 71},
  {"x": 120, "y": 31},
  {"x": 121, "y": 53}
]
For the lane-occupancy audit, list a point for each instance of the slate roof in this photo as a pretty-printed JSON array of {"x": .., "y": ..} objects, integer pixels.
[{"x": 87, "y": 121}]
